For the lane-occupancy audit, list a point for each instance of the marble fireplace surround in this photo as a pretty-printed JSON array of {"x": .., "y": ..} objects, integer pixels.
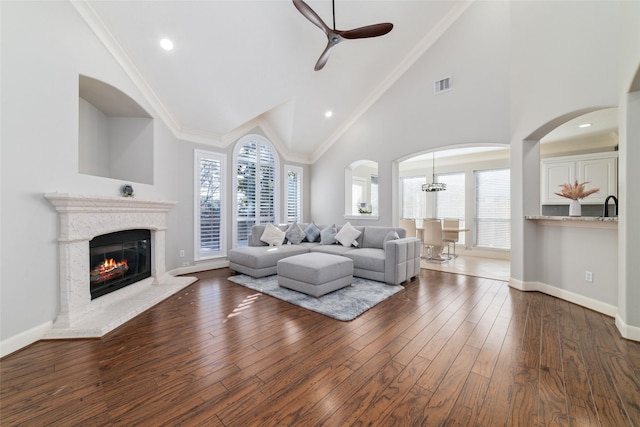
[{"x": 81, "y": 218}]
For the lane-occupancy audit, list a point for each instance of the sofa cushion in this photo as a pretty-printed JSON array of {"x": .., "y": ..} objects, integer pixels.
[
  {"x": 312, "y": 232},
  {"x": 333, "y": 249},
  {"x": 328, "y": 235},
  {"x": 256, "y": 233},
  {"x": 256, "y": 257},
  {"x": 295, "y": 234},
  {"x": 272, "y": 235},
  {"x": 374, "y": 236},
  {"x": 347, "y": 235},
  {"x": 392, "y": 235},
  {"x": 367, "y": 258}
]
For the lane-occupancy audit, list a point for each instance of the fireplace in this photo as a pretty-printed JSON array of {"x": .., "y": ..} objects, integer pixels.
[
  {"x": 118, "y": 259},
  {"x": 93, "y": 231}
]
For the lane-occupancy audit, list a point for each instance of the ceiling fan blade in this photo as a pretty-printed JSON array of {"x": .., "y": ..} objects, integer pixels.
[
  {"x": 374, "y": 30},
  {"x": 308, "y": 13},
  {"x": 324, "y": 57}
]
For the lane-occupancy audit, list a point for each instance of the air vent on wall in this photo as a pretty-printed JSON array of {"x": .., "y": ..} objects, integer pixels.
[{"x": 442, "y": 85}]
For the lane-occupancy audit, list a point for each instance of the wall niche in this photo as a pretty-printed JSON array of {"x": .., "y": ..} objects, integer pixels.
[{"x": 115, "y": 135}]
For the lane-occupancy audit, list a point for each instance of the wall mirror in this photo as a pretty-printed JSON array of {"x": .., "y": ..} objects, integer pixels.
[{"x": 361, "y": 189}]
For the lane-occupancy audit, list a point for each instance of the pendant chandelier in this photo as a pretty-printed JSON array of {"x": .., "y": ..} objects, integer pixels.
[{"x": 433, "y": 185}]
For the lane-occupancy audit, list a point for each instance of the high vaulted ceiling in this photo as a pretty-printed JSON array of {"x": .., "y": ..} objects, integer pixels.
[{"x": 241, "y": 64}]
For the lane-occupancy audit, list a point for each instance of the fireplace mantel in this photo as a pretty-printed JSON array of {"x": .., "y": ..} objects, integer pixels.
[{"x": 83, "y": 217}]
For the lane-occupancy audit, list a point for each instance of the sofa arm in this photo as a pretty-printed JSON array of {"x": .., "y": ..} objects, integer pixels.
[{"x": 402, "y": 260}]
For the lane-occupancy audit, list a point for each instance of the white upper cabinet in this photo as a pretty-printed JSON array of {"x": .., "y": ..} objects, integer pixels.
[{"x": 599, "y": 169}]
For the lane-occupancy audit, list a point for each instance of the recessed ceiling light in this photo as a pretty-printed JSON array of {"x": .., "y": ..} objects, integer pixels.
[
  {"x": 328, "y": 114},
  {"x": 166, "y": 44},
  {"x": 585, "y": 125}
]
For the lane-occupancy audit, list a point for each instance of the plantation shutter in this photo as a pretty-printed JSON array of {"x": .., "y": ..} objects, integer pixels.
[
  {"x": 266, "y": 190},
  {"x": 493, "y": 208},
  {"x": 294, "y": 194},
  {"x": 246, "y": 191},
  {"x": 209, "y": 216},
  {"x": 256, "y": 187}
]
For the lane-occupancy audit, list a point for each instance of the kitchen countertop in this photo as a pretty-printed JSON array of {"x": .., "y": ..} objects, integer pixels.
[
  {"x": 576, "y": 221},
  {"x": 573, "y": 218}
]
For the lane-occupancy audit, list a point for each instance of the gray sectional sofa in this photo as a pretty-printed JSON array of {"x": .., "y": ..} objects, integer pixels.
[{"x": 382, "y": 254}]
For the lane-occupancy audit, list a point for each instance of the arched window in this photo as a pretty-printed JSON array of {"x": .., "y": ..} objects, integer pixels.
[{"x": 256, "y": 184}]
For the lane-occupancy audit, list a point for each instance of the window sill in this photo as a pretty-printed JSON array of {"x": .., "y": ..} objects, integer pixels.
[{"x": 363, "y": 217}]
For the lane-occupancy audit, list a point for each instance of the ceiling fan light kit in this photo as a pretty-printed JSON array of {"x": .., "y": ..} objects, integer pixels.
[{"x": 336, "y": 36}]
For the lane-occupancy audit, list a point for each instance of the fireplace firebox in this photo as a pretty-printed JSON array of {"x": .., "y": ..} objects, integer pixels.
[{"x": 118, "y": 259}]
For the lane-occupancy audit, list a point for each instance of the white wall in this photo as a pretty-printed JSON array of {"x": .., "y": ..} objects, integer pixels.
[
  {"x": 565, "y": 253},
  {"x": 409, "y": 118},
  {"x": 546, "y": 62},
  {"x": 92, "y": 140},
  {"x": 554, "y": 71},
  {"x": 45, "y": 47}
]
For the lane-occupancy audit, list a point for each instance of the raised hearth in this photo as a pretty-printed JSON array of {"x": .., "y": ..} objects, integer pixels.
[{"x": 81, "y": 219}]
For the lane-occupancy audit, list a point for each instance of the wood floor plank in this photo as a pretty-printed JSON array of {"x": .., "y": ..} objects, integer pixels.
[
  {"x": 466, "y": 410},
  {"x": 494, "y": 409},
  {"x": 448, "y": 350},
  {"x": 450, "y": 388},
  {"x": 386, "y": 401}
]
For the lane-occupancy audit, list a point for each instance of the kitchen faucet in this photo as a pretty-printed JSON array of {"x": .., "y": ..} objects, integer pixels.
[{"x": 606, "y": 205}]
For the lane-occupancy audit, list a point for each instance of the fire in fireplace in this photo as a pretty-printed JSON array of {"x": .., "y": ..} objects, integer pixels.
[{"x": 118, "y": 259}]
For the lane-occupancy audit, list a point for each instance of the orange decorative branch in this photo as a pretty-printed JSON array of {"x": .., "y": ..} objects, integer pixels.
[{"x": 576, "y": 191}]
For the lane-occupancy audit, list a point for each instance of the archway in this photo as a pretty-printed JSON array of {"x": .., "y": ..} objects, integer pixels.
[{"x": 459, "y": 167}]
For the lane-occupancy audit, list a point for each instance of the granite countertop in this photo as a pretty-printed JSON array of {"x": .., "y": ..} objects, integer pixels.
[{"x": 573, "y": 218}]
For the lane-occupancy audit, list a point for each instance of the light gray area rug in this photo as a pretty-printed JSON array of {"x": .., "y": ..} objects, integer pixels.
[{"x": 344, "y": 304}]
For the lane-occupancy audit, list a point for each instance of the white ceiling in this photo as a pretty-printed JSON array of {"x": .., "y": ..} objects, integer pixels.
[
  {"x": 237, "y": 64},
  {"x": 601, "y": 123}
]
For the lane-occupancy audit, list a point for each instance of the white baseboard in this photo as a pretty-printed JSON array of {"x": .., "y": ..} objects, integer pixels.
[
  {"x": 627, "y": 331},
  {"x": 24, "y": 339},
  {"x": 200, "y": 266},
  {"x": 581, "y": 300}
]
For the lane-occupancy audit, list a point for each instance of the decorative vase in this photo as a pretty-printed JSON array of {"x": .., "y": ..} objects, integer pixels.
[{"x": 575, "y": 208}]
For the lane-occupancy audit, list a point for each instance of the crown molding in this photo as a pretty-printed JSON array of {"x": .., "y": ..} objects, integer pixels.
[
  {"x": 199, "y": 137},
  {"x": 415, "y": 53}
]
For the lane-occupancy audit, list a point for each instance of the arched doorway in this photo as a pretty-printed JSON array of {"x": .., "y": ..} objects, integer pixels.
[{"x": 483, "y": 248}]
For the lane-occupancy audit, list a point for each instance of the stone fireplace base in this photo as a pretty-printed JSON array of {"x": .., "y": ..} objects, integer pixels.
[{"x": 81, "y": 219}]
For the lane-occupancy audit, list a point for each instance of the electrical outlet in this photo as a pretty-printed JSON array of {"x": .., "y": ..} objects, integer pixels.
[
  {"x": 181, "y": 253},
  {"x": 588, "y": 276},
  {"x": 185, "y": 264}
]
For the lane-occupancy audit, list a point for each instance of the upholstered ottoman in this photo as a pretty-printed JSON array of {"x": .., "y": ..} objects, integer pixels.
[{"x": 315, "y": 273}]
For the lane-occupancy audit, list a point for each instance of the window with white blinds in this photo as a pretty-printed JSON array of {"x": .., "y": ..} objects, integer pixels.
[
  {"x": 413, "y": 198},
  {"x": 256, "y": 184},
  {"x": 450, "y": 203},
  {"x": 209, "y": 202},
  {"x": 493, "y": 208},
  {"x": 293, "y": 190}
]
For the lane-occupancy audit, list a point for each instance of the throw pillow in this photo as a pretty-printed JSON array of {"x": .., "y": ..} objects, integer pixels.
[
  {"x": 295, "y": 234},
  {"x": 328, "y": 235},
  {"x": 347, "y": 235},
  {"x": 392, "y": 235},
  {"x": 272, "y": 235},
  {"x": 312, "y": 232}
]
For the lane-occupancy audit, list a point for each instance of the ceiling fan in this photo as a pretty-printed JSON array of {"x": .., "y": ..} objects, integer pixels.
[{"x": 336, "y": 36}]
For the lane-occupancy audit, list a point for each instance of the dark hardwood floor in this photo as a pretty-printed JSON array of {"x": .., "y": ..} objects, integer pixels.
[{"x": 449, "y": 350}]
